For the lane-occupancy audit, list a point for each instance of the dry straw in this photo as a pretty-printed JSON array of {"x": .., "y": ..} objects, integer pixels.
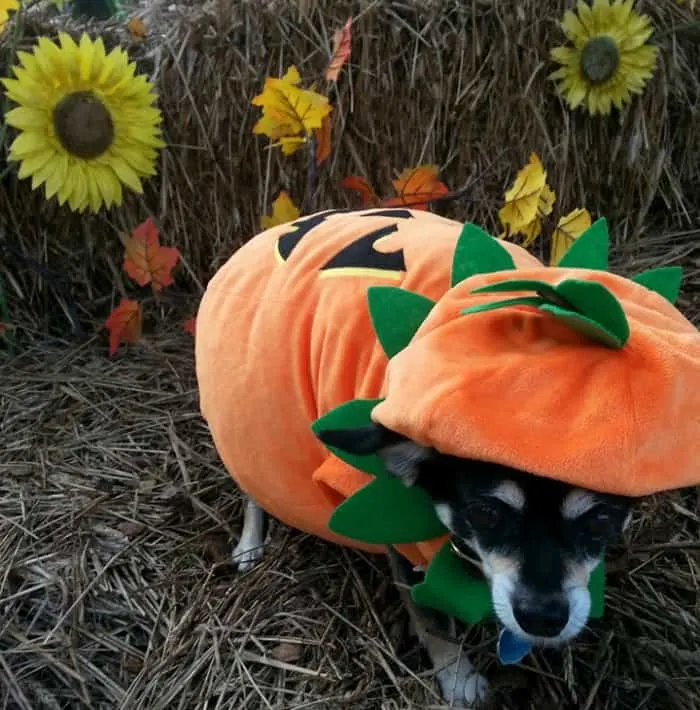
[{"x": 115, "y": 515}]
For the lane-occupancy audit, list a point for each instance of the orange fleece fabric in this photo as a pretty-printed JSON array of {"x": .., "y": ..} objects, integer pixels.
[
  {"x": 518, "y": 387},
  {"x": 284, "y": 335}
]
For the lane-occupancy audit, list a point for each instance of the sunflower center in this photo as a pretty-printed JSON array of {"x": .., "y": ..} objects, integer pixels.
[
  {"x": 600, "y": 58},
  {"x": 83, "y": 124}
]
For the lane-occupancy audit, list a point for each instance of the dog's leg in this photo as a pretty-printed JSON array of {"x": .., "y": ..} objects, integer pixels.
[
  {"x": 249, "y": 549},
  {"x": 459, "y": 683}
]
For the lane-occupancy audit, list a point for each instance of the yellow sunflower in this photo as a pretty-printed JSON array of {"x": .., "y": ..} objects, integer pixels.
[
  {"x": 86, "y": 121},
  {"x": 6, "y": 7},
  {"x": 610, "y": 59}
]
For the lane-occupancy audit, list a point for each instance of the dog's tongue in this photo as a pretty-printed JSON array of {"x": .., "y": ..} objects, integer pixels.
[{"x": 512, "y": 648}]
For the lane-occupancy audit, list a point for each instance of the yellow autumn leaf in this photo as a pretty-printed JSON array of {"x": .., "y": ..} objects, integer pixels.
[
  {"x": 289, "y": 145},
  {"x": 522, "y": 199},
  {"x": 283, "y": 211},
  {"x": 289, "y": 111},
  {"x": 7, "y": 6},
  {"x": 531, "y": 231},
  {"x": 545, "y": 206},
  {"x": 569, "y": 228}
]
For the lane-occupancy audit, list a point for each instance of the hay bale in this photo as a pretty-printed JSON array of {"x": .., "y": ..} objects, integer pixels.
[
  {"x": 116, "y": 590},
  {"x": 461, "y": 85}
]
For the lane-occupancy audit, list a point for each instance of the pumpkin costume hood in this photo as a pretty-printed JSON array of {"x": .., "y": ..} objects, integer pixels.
[{"x": 457, "y": 340}]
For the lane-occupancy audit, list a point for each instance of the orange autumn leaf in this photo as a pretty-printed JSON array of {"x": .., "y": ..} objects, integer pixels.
[
  {"x": 367, "y": 195},
  {"x": 190, "y": 325},
  {"x": 145, "y": 260},
  {"x": 136, "y": 29},
  {"x": 415, "y": 187},
  {"x": 124, "y": 324},
  {"x": 323, "y": 141},
  {"x": 341, "y": 51}
]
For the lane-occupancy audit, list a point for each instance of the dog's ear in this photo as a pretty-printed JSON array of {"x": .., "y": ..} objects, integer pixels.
[{"x": 401, "y": 456}]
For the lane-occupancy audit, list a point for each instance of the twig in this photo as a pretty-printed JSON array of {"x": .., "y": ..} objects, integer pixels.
[{"x": 311, "y": 175}]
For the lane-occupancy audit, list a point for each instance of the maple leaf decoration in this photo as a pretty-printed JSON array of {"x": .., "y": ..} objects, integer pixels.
[
  {"x": 415, "y": 188},
  {"x": 145, "y": 260},
  {"x": 323, "y": 141},
  {"x": 283, "y": 211},
  {"x": 527, "y": 201},
  {"x": 136, "y": 29},
  {"x": 190, "y": 326},
  {"x": 290, "y": 113},
  {"x": 569, "y": 228},
  {"x": 368, "y": 197},
  {"x": 124, "y": 324},
  {"x": 341, "y": 51}
]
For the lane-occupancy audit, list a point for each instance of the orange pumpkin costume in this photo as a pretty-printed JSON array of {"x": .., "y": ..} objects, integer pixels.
[{"x": 284, "y": 336}]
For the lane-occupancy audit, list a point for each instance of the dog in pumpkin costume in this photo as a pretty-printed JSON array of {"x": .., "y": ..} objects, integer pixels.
[{"x": 395, "y": 381}]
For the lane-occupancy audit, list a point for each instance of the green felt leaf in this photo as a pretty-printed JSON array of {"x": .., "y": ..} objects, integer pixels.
[
  {"x": 666, "y": 281},
  {"x": 540, "y": 287},
  {"x": 590, "y": 250},
  {"x": 449, "y": 587},
  {"x": 478, "y": 253},
  {"x": 355, "y": 413},
  {"x": 385, "y": 511},
  {"x": 495, "y": 305},
  {"x": 596, "y": 303},
  {"x": 584, "y": 325},
  {"x": 596, "y": 587},
  {"x": 396, "y": 315}
]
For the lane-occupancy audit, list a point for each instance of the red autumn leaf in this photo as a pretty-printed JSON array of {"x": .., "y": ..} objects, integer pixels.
[
  {"x": 323, "y": 141},
  {"x": 341, "y": 51},
  {"x": 124, "y": 324},
  {"x": 190, "y": 325},
  {"x": 415, "y": 187},
  {"x": 367, "y": 195},
  {"x": 145, "y": 260}
]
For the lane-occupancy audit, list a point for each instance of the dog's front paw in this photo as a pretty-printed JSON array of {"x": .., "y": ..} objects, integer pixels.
[
  {"x": 462, "y": 686},
  {"x": 245, "y": 556}
]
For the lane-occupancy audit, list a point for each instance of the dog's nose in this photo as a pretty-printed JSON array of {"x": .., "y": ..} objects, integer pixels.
[{"x": 546, "y": 619}]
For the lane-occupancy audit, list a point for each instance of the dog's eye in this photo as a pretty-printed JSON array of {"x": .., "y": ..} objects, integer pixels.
[
  {"x": 599, "y": 525},
  {"x": 483, "y": 516}
]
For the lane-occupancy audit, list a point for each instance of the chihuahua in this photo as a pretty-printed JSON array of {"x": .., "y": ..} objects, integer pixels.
[{"x": 535, "y": 540}]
